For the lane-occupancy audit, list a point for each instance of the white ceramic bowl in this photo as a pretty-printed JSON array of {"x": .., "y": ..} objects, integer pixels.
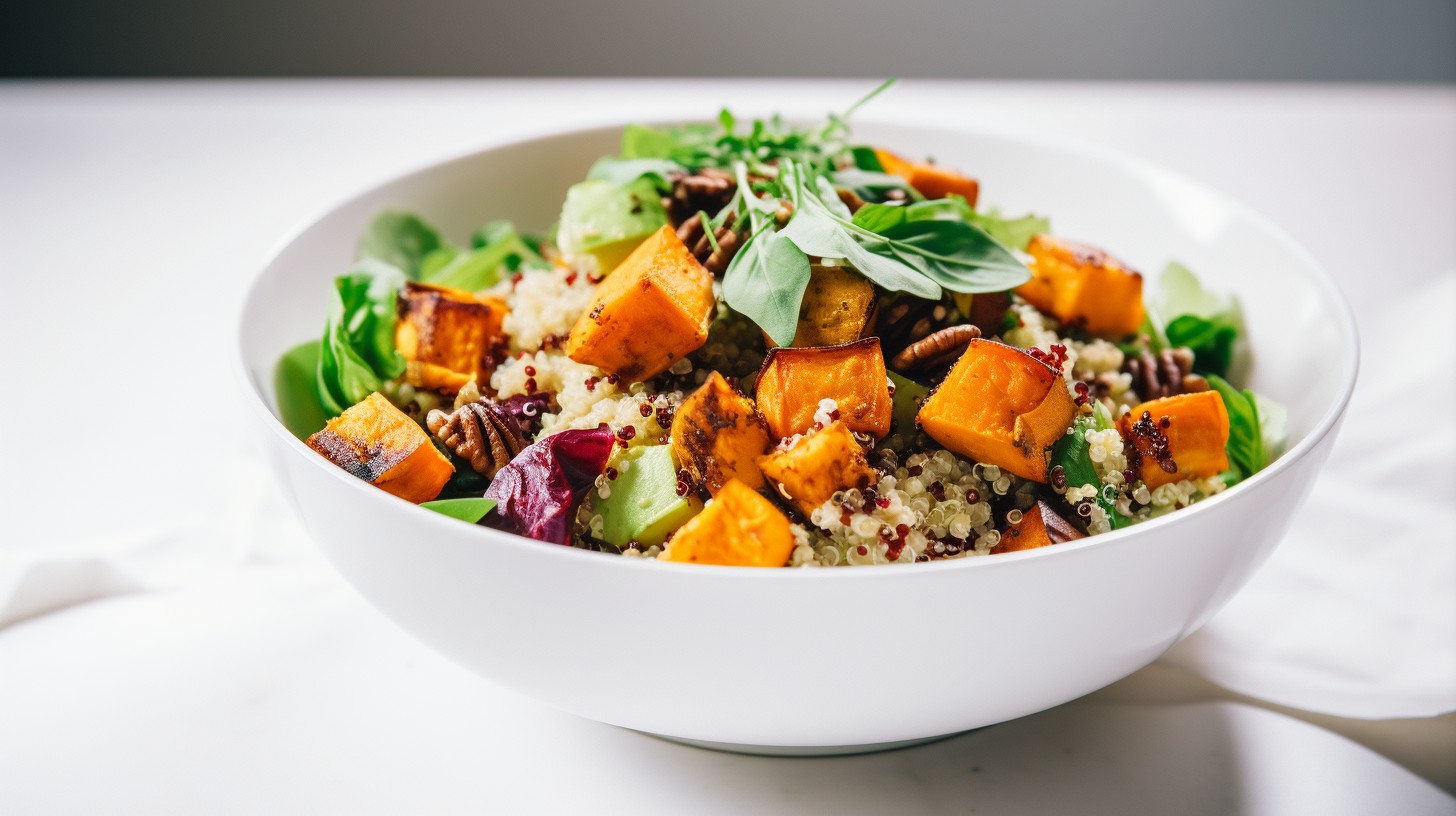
[{"x": 824, "y": 659}]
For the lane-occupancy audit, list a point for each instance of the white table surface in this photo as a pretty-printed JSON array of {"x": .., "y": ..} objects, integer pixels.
[{"x": 205, "y": 660}]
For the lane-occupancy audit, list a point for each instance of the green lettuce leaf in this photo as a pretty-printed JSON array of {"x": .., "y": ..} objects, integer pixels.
[
  {"x": 1247, "y": 454},
  {"x": 1184, "y": 313},
  {"x": 401, "y": 240},
  {"x": 295, "y": 388},
  {"x": 357, "y": 353},
  {"x": 497, "y": 246}
]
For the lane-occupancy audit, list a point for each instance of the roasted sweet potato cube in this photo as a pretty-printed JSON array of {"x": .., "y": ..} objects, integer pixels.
[
  {"x": 838, "y": 307},
  {"x": 738, "y": 528},
  {"x": 376, "y": 442},
  {"x": 932, "y": 180},
  {"x": 1179, "y": 437},
  {"x": 1084, "y": 287},
  {"x": 447, "y": 336},
  {"x": 793, "y": 381},
  {"x": 1040, "y": 526},
  {"x": 718, "y": 435},
  {"x": 815, "y": 466},
  {"x": 650, "y": 312},
  {"x": 1001, "y": 406}
]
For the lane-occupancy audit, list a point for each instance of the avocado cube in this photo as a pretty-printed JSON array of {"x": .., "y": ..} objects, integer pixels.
[{"x": 643, "y": 504}]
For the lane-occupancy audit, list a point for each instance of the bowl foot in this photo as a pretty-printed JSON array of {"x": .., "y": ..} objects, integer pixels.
[{"x": 803, "y": 750}]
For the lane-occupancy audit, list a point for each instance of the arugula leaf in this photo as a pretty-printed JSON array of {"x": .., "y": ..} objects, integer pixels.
[
  {"x": 497, "y": 246},
  {"x": 357, "y": 351},
  {"x": 470, "y": 509},
  {"x": 401, "y": 240},
  {"x": 1245, "y": 447},
  {"x": 1012, "y": 232},
  {"x": 294, "y": 389}
]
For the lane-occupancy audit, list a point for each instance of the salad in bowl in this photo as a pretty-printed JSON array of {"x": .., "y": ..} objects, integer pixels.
[{"x": 753, "y": 344}]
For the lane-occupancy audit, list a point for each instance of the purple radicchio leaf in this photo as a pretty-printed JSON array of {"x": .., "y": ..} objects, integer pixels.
[{"x": 537, "y": 493}]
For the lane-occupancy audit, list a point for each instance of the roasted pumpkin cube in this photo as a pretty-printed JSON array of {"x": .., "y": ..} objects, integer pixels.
[
  {"x": 811, "y": 470},
  {"x": 838, "y": 307},
  {"x": 447, "y": 336},
  {"x": 718, "y": 435},
  {"x": 1001, "y": 406},
  {"x": 932, "y": 180},
  {"x": 793, "y": 381},
  {"x": 652, "y": 311},
  {"x": 1178, "y": 437},
  {"x": 1040, "y": 526},
  {"x": 381, "y": 445},
  {"x": 738, "y": 528},
  {"x": 1084, "y": 287}
]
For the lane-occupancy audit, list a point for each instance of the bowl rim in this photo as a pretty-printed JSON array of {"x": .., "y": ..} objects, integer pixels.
[{"x": 1310, "y": 267}]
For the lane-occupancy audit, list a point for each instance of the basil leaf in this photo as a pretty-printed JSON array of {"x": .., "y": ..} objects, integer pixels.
[
  {"x": 400, "y": 240},
  {"x": 294, "y": 388},
  {"x": 866, "y": 159},
  {"x": 1012, "y": 232},
  {"x": 1211, "y": 340},
  {"x": 766, "y": 281},
  {"x": 817, "y": 233},
  {"x": 880, "y": 217},
  {"x": 468, "y": 509},
  {"x": 622, "y": 172},
  {"x": 357, "y": 351},
  {"x": 1245, "y": 446},
  {"x": 955, "y": 254}
]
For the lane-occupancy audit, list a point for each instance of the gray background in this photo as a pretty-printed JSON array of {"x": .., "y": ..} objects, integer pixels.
[{"x": 1278, "y": 40}]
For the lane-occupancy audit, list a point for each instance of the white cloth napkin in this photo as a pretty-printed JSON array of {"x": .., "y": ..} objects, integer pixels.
[{"x": 1355, "y": 613}]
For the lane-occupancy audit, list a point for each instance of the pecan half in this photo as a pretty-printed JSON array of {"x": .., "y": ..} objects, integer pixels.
[
  {"x": 483, "y": 433},
  {"x": 1165, "y": 374},
  {"x": 695, "y": 238},
  {"x": 906, "y": 320},
  {"x": 708, "y": 190},
  {"x": 937, "y": 350}
]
